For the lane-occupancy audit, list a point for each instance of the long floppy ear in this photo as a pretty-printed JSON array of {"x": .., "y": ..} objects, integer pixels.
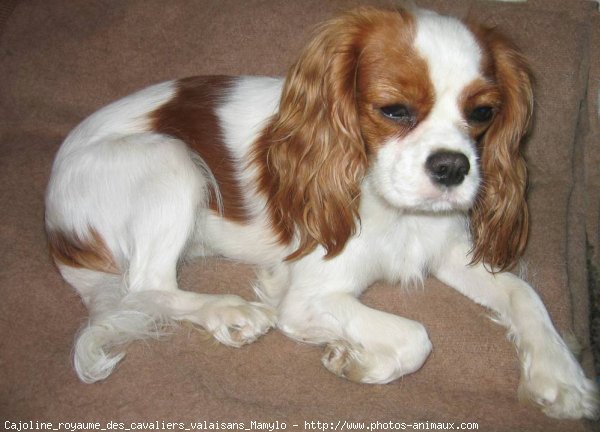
[
  {"x": 500, "y": 219},
  {"x": 312, "y": 157}
]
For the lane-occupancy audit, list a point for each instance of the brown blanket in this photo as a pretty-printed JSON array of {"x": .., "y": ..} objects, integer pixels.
[{"x": 61, "y": 60}]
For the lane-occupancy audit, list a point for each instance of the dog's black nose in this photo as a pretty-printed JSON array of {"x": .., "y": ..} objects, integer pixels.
[{"x": 447, "y": 168}]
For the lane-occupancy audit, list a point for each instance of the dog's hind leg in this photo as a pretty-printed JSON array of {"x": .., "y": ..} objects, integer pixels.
[{"x": 126, "y": 268}]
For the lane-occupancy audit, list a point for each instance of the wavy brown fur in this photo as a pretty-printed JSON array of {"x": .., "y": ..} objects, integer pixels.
[
  {"x": 500, "y": 219},
  {"x": 312, "y": 156}
]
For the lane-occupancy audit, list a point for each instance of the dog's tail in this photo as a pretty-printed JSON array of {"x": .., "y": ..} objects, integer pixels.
[
  {"x": 117, "y": 317},
  {"x": 98, "y": 343}
]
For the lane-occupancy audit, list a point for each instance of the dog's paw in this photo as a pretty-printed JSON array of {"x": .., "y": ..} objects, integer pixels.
[
  {"x": 557, "y": 384},
  {"x": 375, "y": 366},
  {"x": 235, "y": 322},
  {"x": 344, "y": 360}
]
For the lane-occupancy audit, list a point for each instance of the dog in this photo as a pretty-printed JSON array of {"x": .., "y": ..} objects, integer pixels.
[{"x": 390, "y": 151}]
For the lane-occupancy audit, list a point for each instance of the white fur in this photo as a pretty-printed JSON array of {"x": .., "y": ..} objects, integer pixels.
[{"x": 146, "y": 194}]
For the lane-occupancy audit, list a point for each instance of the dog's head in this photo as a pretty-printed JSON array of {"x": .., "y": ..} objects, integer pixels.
[{"x": 430, "y": 109}]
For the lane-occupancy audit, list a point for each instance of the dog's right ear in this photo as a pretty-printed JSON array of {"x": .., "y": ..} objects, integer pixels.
[{"x": 312, "y": 156}]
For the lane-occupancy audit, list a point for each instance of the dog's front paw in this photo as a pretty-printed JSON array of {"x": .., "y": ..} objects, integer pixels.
[
  {"x": 344, "y": 360},
  {"x": 378, "y": 364},
  {"x": 557, "y": 384}
]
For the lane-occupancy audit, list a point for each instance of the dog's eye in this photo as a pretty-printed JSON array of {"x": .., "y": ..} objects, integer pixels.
[
  {"x": 481, "y": 114},
  {"x": 398, "y": 113}
]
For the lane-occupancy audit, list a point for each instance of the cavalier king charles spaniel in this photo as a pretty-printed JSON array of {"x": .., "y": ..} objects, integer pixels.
[{"x": 390, "y": 151}]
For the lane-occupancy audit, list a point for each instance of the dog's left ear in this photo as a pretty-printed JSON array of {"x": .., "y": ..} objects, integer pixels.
[{"x": 500, "y": 219}]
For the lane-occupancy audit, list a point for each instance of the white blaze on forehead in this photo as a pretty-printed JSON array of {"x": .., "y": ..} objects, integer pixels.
[{"x": 451, "y": 52}]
